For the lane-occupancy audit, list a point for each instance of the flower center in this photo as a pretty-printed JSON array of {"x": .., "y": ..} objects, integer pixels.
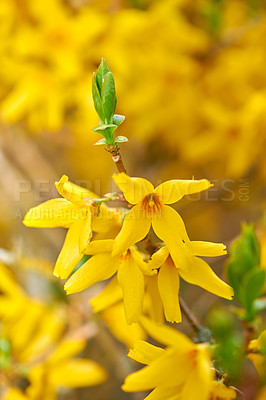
[{"x": 152, "y": 204}]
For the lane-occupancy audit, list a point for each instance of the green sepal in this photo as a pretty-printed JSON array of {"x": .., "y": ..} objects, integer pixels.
[
  {"x": 97, "y": 99},
  {"x": 101, "y": 74},
  {"x": 121, "y": 139},
  {"x": 118, "y": 119},
  {"x": 109, "y": 97},
  {"x": 102, "y": 141}
]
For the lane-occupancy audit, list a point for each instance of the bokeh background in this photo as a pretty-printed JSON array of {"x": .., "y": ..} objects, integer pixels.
[{"x": 191, "y": 81}]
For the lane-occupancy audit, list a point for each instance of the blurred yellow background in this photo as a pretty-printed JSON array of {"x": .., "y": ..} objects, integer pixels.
[{"x": 191, "y": 81}]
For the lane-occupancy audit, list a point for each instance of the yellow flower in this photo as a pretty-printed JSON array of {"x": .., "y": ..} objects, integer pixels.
[
  {"x": 221, "y": 392},
  {"x": 77, "y": 212},
  {"x": 150, "y": 208},
  {"x": 130, "y": 269},
  {"x": 179, "y": 372},
  {"x": 61, "y": 370},
  {"x": 114, "y": 318},
  {"x": 39, "y": 352},
  {"x": 257, "y": 353},
  {"x": 193, "y": 270}
]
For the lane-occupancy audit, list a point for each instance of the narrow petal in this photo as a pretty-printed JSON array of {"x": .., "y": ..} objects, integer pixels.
[
  {"x": 78, "y": 373},
  {"x": 198, "y": 272},
  {"x": 158, "y": 258},
  {"x": 72, "y": 192},
  {"x": 171, "y": 229},
  {"x": 110, "y": 295},
  {"x": 199, "y": 379},
  {"x": 145, "y": 267},
  {"x": 70, "y": 254},
  {"x": 153, "y": 304},
  {"x": 52, "y": 214},
  {"x": 164, "y": 392},
  {"x": 131, "y": 280},
  {"x": 66, "y": 349},
  {"x": 134, "y": 189},
  {"x": 145, "y": 353},
  {"x": 99, "y": 246},
  {"x": 166, "y": 335},
  {"x": 96, "y": 269},
  {"x": 170, "y": 369},
  {"x": 168, "y": 284},
  {"x": 172, "y": 191},
  {"x": 208, "y": 249},
  {"x": 135, "y": 227},
  {"x": 86, "y": 233},
  {"x": 106, "y": 219}
]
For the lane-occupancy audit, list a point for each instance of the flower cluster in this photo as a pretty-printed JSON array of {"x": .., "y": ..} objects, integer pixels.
[
  {"x": 110, "y": 255},
  {"x": 41, "y": 352}
]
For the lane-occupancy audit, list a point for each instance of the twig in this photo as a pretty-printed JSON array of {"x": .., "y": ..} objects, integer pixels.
[
  {"x": 117, "y": 159},
  {"x": 190, "y": 317}
]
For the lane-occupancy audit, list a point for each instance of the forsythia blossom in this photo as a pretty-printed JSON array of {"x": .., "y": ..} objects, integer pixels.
[
  {"x": 179, "y": 372},
  {"x": 77, "y": 212}
]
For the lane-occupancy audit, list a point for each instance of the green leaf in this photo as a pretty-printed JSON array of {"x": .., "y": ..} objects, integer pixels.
[
  {"x": 121, "y": 139},
  {"x": 253, "y": 285},
  {"x": 102, "y": 141},
  {"x": 103, "y": 127},
  {"x": 118, "y": 119},
  {"x": 97, "y": 99},
  {"x": 109, "y": 97},
  {"x": 101, "y": 74}
]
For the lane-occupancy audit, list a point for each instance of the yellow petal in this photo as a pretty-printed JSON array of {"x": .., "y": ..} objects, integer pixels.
[
  {"x": 158, "y": 258},
  {"x": 171, "y": 229},
  {"x": 164, "y": 392},
  {"x": 72, "y": 192},
  {"x": 134, "y": 189},
  {"x": 135, "y": 227},
  {"x": 144, "y": 352},
  {"x": 172, "y": 191},
  {"x": 168, "y": 284},
  {"x": 52, "y": 214},
  {"x": 220, "y": 391},
  {"x": 131, "y": 280},
  {"x": 152, "y": 302},
  {"x": 145, "y": 267},
  {"x": 208, "y": 249},
  {"x": 86, "y": 233},
  {"x": 99, "y": 246},
  {"x": 70, "y": 254},
  {"x": 167, "y": 335},
  {"x": 8, "y": 284},
  {"x": 65, "y": 350},
  {"x": 199, "y": 379},
  {"x": 115, "y": 319},
  {"x": 96, "y": 269},
  {"x": 106, "y": 219},
  {"x": 77, "y": 373},
  {"x": 198, "y": 272},
  {"x": 110, "y": 295},
  {"x": 170, "y": 369}
]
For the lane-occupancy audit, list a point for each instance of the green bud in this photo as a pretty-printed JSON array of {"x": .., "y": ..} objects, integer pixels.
[
  {"x": 101, "y": 74},
  {"x": 109, "y": 97}
]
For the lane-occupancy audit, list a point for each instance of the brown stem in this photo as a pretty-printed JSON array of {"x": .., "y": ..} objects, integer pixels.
[
  {"x": 117, "y": 159},
  {"x": 119, "y": 163},
  {"x": 190, "y": 317}
]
